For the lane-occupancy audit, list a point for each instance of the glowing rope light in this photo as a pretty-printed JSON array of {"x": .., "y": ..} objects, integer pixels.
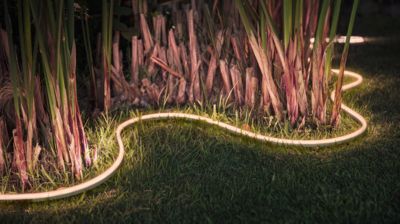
[
  {"x": 353, "y": 40},
  {"x": 342, "y": 40}
]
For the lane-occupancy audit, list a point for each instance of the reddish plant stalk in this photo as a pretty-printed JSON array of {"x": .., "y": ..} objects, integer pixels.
[
  {"x": 212, "y": 67},
  {"x": 135, "y": 61},
  {"x": 19, "y": 153},
  {"x": 3, "y": 142},
  {"x": 194, "y": 90},
  {"x": 237, "y": 84},
  {"x": 225, "y": 77},
  {"x": 251, "y": 88},
  {"x": 146, "y": 35},
  {"x": 265, "y": 67}
]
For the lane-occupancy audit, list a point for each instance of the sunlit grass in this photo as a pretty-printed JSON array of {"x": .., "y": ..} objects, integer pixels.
[{"x": 101, "y": 136}]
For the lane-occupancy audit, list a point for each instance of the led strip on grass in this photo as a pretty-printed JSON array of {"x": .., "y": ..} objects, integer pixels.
[
  {"x": 90, "y": 184},
  {"x": 342, "y": 40}
]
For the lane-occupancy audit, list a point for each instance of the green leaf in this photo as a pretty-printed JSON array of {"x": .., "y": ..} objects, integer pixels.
[
  {"x": 121, "y": 26},
  {"x": 122, "y": 11},
  {"x": 287, "y": 21}
]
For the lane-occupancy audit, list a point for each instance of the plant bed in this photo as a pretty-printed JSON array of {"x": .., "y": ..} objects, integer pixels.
[
  {"x": 104, "y": 142},
  {"x": 253, "y": 60}
]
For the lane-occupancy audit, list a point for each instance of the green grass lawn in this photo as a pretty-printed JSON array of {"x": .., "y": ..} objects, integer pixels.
[{"x": 178, "y": 171}]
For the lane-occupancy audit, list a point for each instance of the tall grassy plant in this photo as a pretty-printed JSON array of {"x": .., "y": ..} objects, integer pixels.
[
  {"x": 59, "y": 67},
  {"x": 55, "y": 126},
  {"x": 319, "y": 87},
  {"x": 289, "y": 51},
  {"x": 335, "y": 119},
  {"x": 18, "y": 100}
]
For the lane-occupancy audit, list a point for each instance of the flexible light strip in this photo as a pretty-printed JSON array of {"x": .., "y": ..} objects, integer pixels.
[
  {"x": 342, "y": 40},
  {"x": 90, "y": 184}
]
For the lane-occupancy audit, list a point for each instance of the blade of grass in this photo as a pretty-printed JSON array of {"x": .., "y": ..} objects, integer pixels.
[
  {"x": 287, "y": 21},
  {"x": 332, "y": 34}
]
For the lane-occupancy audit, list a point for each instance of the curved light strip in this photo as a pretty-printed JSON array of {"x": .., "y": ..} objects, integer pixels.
[
  {"x": 342, "y": 40},
  {"x": 90, "y": 184},
  {"x": 353, "y": 39}
]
